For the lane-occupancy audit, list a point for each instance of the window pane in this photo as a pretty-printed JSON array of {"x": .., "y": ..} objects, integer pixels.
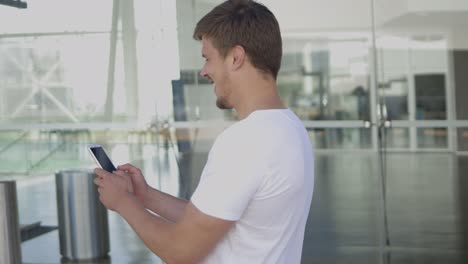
[
  {"x": 397, "y": 138},
  {"x": 326, "y": 79},
  {"x": 430, "y": 96},
  {"x": 43, "y": 79},
  {"x": 463, "y": 139},
  {"x": 432, "y": 137},
  {"x": 333, "y": 138}
]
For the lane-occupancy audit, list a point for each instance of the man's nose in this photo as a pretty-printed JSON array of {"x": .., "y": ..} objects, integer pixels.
[{"x": 203, "y": 72}]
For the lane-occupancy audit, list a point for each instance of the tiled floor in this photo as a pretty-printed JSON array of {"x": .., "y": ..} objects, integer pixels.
[{"x": 425, "y": 208}]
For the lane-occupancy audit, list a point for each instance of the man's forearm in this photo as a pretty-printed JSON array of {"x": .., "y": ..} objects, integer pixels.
[
  {"x": 158, "y": 234},
  {"x": 165, "y": 205}
]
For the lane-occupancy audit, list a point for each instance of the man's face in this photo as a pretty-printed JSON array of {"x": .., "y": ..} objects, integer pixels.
[{"x": 216, "y": 71}]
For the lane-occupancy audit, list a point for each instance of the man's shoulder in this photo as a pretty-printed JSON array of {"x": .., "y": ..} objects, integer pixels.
[
  {"x": 263, "y": 129},
  {"x": 235, "y": 135}
]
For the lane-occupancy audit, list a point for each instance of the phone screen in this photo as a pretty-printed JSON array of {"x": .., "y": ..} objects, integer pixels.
[{"x": 102, "y": 158}]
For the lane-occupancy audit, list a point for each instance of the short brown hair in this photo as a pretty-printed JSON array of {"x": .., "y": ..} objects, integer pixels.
[{"x": 248, "y": 24}]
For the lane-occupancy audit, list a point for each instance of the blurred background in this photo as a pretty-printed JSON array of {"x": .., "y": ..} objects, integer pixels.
[{"x": 380, "y": 85}]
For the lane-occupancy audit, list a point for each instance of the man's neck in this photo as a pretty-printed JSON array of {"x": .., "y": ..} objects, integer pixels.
[{"x": 260, "y": 97}]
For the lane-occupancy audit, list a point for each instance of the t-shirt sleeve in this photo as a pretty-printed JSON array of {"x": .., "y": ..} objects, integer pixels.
[{"x": 230, "y": 178}]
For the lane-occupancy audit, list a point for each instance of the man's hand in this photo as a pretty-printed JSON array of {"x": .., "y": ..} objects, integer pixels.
[
  {"x": 139, "y": 186},
  {"x": 113, "y": 188}
]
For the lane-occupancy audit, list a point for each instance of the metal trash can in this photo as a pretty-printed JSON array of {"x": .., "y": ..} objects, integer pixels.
[
  {"x": 10, "y": 239},
  {"x": 83, "y": 224}
]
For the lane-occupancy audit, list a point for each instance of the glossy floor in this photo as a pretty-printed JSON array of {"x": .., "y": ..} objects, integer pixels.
[{"x": 422, "y": 218}]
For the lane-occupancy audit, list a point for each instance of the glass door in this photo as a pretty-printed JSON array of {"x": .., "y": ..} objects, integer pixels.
[
  {"x": 330, "y": 90},
  {"x": 421, "y": 58},
  {"x": 379, "y": 89},
  {"x": 326, "y": 78}
]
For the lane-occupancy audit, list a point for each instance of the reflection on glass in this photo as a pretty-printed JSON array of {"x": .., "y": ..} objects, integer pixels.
[
  {"x": 432, "y": 137},
  {"x": 430, "y": 96},
  {"x": 45, "y": 79},
  {"x": 58, "y": 71},
  {"x": 41, "y": 151},
  {"x": 13, "y": 157},
  {"x": 394, "y": 93},
  {"x": 412, "y": 74},
  {"x": 195, "y": 99},
  {"x": 462, "y": 139},
  {"x": 320, "y": 81},
  {"x": 338, "y": 138},
  {"x": 396, "y": 138},
  {"x": 460, "y": 66}
]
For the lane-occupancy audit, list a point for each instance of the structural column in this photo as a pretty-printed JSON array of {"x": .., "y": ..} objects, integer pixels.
[{"x": 10, "y": 239}]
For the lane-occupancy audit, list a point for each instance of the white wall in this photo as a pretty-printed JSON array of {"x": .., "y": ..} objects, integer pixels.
[
  {"x": 459, "y": 37},
  {"x": 319, "y": 15},
  {"x": 387, "y": 10}
]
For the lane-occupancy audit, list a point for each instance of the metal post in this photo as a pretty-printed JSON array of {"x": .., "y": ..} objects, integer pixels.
[
  {"x": 129, "y": 36},
  {"x": 10, "y": 239},
  {"x": 109, "y": 105}
]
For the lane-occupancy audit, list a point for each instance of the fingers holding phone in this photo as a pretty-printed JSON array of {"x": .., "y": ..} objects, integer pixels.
[
  {"x": 128, "y": 179},
  {"x": 112, "y": 188},
  {"x": 133, "y": 177},
  {"x": 140, "y": 187}
]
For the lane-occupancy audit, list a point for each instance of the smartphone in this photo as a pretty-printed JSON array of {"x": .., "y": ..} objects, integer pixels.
[{"x": 101, "y": 158}]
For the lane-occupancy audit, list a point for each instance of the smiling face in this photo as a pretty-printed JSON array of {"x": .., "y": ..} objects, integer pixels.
[{"x": 215, "y": 69}]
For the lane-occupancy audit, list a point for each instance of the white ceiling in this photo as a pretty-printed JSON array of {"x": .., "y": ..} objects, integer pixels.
[
  {"x": 442, "y": 19},
  {"x": 306, "y": 15}
]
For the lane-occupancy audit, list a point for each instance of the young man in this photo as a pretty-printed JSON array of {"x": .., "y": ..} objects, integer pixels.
[{"x": 253, "y": 199}]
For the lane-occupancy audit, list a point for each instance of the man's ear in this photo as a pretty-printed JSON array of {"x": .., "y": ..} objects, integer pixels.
[{"x": 238, "y": 57}]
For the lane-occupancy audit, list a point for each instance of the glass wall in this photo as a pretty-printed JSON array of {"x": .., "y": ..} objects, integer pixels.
[
  {"x": 327, "y": 72},
  {"x": 419, "y": 47},
  {"x": 76, "y": 76},
  {"x": 380, "y": 86}
]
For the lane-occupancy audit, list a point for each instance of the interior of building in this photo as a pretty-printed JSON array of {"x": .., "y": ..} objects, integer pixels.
[{"x": 381, "y": 87}]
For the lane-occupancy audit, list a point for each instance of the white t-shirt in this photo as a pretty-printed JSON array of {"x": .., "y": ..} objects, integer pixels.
[{"x": 259, "y": 173}]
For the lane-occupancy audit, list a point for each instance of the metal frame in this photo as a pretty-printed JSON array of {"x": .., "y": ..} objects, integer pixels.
[
  {"x": 39, "y": 86},
  {"x": 109, "y": 104}
]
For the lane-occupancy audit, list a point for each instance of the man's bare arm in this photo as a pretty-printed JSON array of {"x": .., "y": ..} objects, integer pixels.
[
  {"x": 165, "y": 205},
  {"x": 187, "y": 241}
]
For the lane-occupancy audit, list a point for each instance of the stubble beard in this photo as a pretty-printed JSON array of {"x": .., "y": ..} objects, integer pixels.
[
  {"x": 221, "y": 100},
  {"x": 222, "y": 103}
]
